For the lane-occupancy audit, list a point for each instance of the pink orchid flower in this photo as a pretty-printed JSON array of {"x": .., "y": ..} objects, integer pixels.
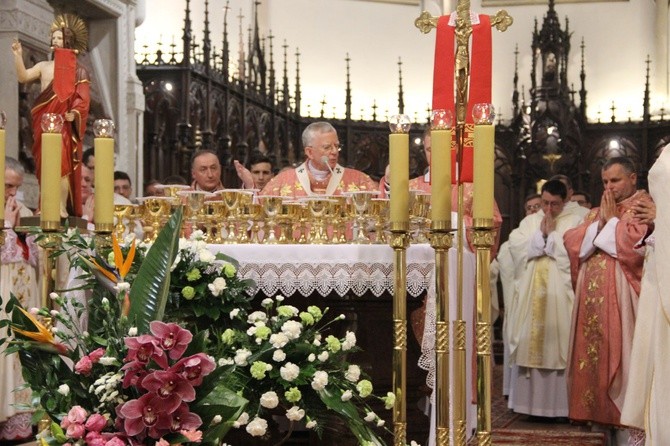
[
  {"x": 171, "y": 337},
  {"x": 144, "y": 348},
  {"x": 183, "y": 419},
  {"x": 141, "y": 414},
  {"x": 170, "y": 387},
  {"x": 194, "y": 368}
]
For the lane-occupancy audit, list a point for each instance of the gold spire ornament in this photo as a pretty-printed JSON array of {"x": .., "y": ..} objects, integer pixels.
[{"x": 77, "y": 28}]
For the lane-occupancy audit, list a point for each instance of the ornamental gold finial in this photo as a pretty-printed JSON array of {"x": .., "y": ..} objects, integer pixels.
[{"x": 426, "y": 22}]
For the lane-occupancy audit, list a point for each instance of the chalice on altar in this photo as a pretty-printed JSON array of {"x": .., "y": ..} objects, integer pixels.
[
  {"x": 419, "y": 212},
  {"x": 271, "y": 204},
  {"x": 286, "y": 214},
  {"x": 216, "y": 214},
  {"x": 121, "y": 212},
  {"x": 247, "y": 212},
  {"x": 155, "y": 208},
  {"x": 195, "y": 203},
  {"x": 339, "y": 213},
  {"x": 171, "y": 190},
  {"x": 380, "y": 208},
  {"x": 231, "y": 198},
  {"x": 361, "y": 201},
  {"x": 318, "y": 209}
]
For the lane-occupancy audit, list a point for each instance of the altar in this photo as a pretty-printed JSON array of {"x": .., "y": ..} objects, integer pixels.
[{"x": 357, "y": 281}]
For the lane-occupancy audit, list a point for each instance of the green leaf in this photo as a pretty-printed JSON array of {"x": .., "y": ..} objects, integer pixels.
[
  {"x": 149, "y": 292},
  {"x": 348, "y": 411},
  {"x": 224, "y": 402}
]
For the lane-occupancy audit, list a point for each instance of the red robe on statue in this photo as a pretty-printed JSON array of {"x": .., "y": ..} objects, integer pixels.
[
  {"x": 73, "y": 133},
  {"x": 607, "y": 288}
]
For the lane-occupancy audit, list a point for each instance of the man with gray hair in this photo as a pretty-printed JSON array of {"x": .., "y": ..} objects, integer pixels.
[
  {"x": 18, "y": 272},
  {"x": 320, "y": 174}
]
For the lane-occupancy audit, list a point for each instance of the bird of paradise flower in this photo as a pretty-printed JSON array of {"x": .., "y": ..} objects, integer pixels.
[{"x": 114, "y": 277}]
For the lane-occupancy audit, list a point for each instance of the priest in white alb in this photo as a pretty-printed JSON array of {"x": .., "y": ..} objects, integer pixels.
[{"x": 538, "y": 329}]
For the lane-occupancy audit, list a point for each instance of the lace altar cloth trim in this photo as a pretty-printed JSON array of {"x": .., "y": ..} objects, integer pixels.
[{"x": 325, "y": 269}]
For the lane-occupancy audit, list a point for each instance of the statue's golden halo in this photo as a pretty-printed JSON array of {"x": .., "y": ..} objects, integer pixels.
[{"x": 75, "y": 24}]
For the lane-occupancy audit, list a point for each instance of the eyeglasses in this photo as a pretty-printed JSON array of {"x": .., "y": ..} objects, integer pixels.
[
  {"x": 533, "y": 207},
  {"x": 330, "y": 148}
]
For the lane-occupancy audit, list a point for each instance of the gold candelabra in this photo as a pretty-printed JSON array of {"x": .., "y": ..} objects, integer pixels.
[{"x": 484, "y": 237}]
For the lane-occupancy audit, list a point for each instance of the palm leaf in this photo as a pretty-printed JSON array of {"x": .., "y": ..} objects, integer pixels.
[{"x": 151, "y": 287}]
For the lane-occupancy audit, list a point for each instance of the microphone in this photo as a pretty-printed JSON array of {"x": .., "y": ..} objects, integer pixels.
[{"x": 324, "y": 159}]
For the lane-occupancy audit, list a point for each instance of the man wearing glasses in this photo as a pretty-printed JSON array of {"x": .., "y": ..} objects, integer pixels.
[
  {"x": 320, "y": 174},
  {"x": 538, "y": 328}
]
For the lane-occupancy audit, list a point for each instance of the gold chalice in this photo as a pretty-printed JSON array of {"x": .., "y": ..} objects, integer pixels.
[
  {"x": 216, "y": 216},
  {"x": 247, "y": 212},
  {"x": 155, "y": 208},
  {"x": 231, "y": 198},
  {"x": 381, "y": 211},
  {"x": 318, "y": 209},
  {"x": 361, "y": 201},
  {"x": 194, "y": 201},
  {"x": 339, "y": 217},
  {"x": 271, "y": 204},
  {"x": 419, "y": 212},
  {"x": 121, "y": 212},
  {"x": 172, "y": 190}
]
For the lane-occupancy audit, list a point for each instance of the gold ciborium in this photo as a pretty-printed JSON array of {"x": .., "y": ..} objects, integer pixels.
[
  {"x": 361, "y": 201},
  {"x": 121, "y": 212},
  {"x": 271, "y": 204},
  {"x": 155, "y": 209}
]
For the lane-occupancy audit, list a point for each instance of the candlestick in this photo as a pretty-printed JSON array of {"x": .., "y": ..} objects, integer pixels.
[
  {"x": 52, "y": 148},
  {"x": 484, "y": 158},
  {"x": 440, "y": 169},
  {"x": 103, "y": 144},
  {"x": 3, "y": 120},
  {"x": 399, "y": 162}
]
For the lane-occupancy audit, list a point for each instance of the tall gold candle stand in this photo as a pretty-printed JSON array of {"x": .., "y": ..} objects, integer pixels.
[
  {"x": 441, "y": 240},
  {"x": 426, "y": 22},
  {"x": 483, "y": 239},
  {"x": 104, "y": 182},
  {"x": 399, "y": 162}
]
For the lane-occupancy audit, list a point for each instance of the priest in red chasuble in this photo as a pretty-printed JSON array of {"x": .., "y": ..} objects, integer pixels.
[
  {"x": 64, "y": 91},
  {"x": 606, "y": 268},
  {"x": 320, "y": 174}
]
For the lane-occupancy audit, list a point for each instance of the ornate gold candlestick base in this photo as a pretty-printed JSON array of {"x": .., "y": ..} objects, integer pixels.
[
  {"x": 399, "y": 243},
  {"x": 483, "y": 239},
  {"x": 441, "y": 241}
]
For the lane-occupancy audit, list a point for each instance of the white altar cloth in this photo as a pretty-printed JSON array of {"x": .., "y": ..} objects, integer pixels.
[{"x": 324, "y": 269}]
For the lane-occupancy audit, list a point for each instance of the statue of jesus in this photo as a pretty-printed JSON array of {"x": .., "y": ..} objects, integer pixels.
[{"x": 64, "y": 91}]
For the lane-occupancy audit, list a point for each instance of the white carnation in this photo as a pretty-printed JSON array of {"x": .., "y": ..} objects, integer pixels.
[
  {"x": 310, "y": 424},
  {"x": 225, "y": 361},
  {"x": 196, "y": 235},
  {"x": 278, "y": 355},
  {"x": 320, "y": 380},
  {"x": 323, "y": 356},
  {"x": 295, "y": 413},
  {"x": 257, "y": 316},
  {"x": 292, "y": 329},
  {"x": 217, "y": 286},
  {"x": 217, "y": 419},
  {"x": 371, "y": 416},
  {"x": 206, "y": 256},
  {"x": 346, "y": 396},
  {"x": 279, "y": 298},
  {"x": 289, "y": 371},
  {"x": 311, "y": 357},
  {"x": 257, "y": 427},
  {"x": 269, "y": 400},
  {"x": 132, "y": 331},
  {"x": 242, "y": 420},
  {"x": 278, "y": 340},
  {"x": 353, "y": 373},
  {"x": 349, "y": 341},
  {"x": 107, "y": 360},
  {"x": 241, "y": 356},
  {"x": 64, "y": 389},
  {"x": 380, "y": 422},
  {"x": 234, "y": 313}
]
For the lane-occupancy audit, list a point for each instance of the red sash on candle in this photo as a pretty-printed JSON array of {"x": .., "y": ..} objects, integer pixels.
[
  {"x": 479, "y": 86},
  {"x": 65, "y": 71}
]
